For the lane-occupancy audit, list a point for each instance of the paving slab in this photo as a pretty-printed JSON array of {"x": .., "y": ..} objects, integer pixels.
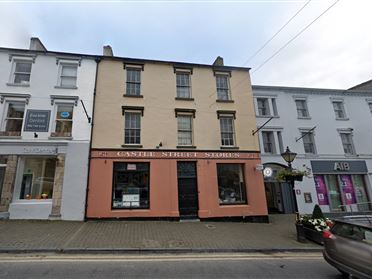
[{"x": 150, "y": 236}]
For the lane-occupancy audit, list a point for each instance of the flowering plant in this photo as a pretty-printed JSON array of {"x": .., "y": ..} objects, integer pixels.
[
  {"x": 286, "y": 174},
  {"x": 318, "y": 224}
]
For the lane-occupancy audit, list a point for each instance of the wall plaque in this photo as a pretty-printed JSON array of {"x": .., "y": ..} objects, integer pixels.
[{"x": 37, "y": 120}]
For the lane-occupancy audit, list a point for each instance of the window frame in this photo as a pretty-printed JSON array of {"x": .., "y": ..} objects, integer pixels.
[
  {"x": 13, "y": 72},
  {"x": 132, "y": 112},
  {"x": 232, "y": 118},
  {"x": 271, "y": 108},
  {"x": 273, "y": 144},
  {"x": 349, "y": 135},
  {"x": 304, "y": 109},
  {"x": 227, "y": 89},
  {"x": 137, "y": 70},
  {"x": 5, "y": 117},
  {"x": 56, "y": 104},
  {"x": 60, "y": 75},
  {"x": 309, "y": 135},
  {"x": 191, "y": 131},
  {"x": 341, "y": 109},
  {"x": 188, "y": 73}
]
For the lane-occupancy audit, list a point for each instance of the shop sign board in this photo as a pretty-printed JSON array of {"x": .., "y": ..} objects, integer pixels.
[
  {"x": 335, "y": 167},
  {"x": 37, "y": 120}
]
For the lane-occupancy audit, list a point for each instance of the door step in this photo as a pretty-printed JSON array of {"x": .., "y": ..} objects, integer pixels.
[{"x": 189, "y": 219}]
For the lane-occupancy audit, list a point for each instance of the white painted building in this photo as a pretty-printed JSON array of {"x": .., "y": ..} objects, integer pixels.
[
  {"x": 338, "y": 151},
  {"x": 44, "y": 132}
]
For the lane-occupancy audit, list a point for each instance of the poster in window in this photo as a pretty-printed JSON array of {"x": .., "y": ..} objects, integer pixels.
[
  {"x": 321, "y": 189},
  {"x": 347, "y": 189}
]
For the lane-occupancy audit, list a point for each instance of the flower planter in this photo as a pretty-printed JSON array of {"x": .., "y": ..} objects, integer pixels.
[
  {"x": 300, "y": 233},
  {"x": 314, "y": 235}
]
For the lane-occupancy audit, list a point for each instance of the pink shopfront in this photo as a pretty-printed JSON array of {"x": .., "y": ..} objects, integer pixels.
[{"x": 342, "y": 185}]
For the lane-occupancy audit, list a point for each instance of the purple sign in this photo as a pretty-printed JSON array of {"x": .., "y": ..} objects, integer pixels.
[
  {"x": 347, "y": 189},
  {"x": 321, "y": 190}
]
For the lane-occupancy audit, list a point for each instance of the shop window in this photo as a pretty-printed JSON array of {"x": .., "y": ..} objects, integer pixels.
[
  {"x": 231, "y": 186},
  {"x": 38, "y": 178},
  {"x": 63, "y": 121},
  {"x": 12, "y": 125},
  {"x": 131, "y": 186}
]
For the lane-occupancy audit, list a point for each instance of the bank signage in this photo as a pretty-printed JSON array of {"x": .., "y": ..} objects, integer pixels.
[
  {"x": 37, "y": 120},
  {"x": 174, "y": 155},
  {"x": 341, "y": 166}
]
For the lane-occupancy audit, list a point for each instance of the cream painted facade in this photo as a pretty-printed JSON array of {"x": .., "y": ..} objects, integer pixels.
[{"x": 159, "y": 123}]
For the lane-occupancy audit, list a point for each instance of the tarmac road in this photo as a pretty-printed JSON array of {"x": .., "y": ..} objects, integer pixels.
[{"x": 255, "y": 265}]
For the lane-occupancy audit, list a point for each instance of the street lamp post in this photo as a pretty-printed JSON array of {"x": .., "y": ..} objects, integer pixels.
[{"x": 289, "y": 156}]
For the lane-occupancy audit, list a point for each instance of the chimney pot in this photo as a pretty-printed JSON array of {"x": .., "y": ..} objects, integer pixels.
[
  {"x": 36, "y": 44},
  {"x": 107, "y": 51}
]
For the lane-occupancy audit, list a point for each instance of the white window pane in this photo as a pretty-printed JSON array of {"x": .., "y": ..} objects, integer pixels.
[
  {"x": 69, "y": 71},
  {"x": 68, "y": 81},
  {"x": 23, "y": 67}
]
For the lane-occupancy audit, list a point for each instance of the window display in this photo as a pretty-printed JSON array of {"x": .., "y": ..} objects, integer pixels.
[
  {"x": 231, "y": 186},
  {"x": 131, "y": 185},
  {"x": 38, "y": 178}
]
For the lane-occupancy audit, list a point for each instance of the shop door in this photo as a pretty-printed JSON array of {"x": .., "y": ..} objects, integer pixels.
[{"x": 187, "y": 190}]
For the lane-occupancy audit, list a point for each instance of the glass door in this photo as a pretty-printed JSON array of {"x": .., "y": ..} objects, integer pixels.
[
  {"x": 360, "y": 193},
  {"x": 335, "y": 199}
]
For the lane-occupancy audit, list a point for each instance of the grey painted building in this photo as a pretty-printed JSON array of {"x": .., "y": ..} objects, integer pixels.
[{"x": 330, "y": 130}]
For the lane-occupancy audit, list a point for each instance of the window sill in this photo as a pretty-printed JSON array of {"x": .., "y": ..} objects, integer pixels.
[
  {"x": 351, "y": 155},
  {"x": 132, "y": 145},
  {"x": 311, "y": 155},
  {"x": 342, "y": 119},
  {"x": 230, "y": 147},
  {"x": 302, "y": 117},
  {"x": 133, "y": 96},
  {"x": 10, "y": 137},
  {"x": 60, "y": 138},
  {"x": 33, "y": 201},
  {"x": 186, "y": 146},
  {"x": 184, "y": 99},
  {"x": 225, "y": 101},
  {"x": 267, "y": 116},
  {"x": 18, "y": 84},
  {"x": 65, "y": 87},
  {"x": 233, "y": 204}
]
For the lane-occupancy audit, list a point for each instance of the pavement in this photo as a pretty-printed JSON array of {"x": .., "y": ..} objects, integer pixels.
[{"x": 127, "y": 236}]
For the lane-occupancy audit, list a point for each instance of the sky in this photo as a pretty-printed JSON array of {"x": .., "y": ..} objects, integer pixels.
[{"x": 333, "y": 52}]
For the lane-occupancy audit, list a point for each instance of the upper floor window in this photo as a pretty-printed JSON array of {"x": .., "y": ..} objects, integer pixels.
[
  {"x": 302, "y": 111},
  {"x": 227, "y": 130},
  {"x": 339, "y": 109},
  {"x": 223, "y": 90},
  {"x": 370, "y": 106},
  {"x": 21, "y": 72},
  {"x": 309, "y": 142},
  {"x": 133, "y": 82},
  {"x": 132, "y": 133},
  {"x": 347, "y": 143},
  {"x": 266, "y": 106},
  {"x": 13, "y": 120},
  {"x": 268, "y": 142},
  {"x": 63, "y": 120},
  {"x": 183, "y": 85},
  {"x": 68, "y": 75},
  {"x": 184, "y": 123}
]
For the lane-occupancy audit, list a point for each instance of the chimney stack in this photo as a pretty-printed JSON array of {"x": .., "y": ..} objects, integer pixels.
[
  {"x": 218, "y": 61},
  {"x": 36, "y": 44},
  {"x": 107, "y": 51}
]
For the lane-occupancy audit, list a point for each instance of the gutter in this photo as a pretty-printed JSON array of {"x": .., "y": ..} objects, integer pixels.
[{"x": 98, "y": 59}]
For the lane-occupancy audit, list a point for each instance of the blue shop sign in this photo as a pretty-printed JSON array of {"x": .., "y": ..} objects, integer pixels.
[{"x": 65, "y": 114}]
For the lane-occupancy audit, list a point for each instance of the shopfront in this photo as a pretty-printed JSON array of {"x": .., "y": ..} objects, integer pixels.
[
  {"x": 42, "y": 180},
  {"x": 342, "y": 185},
  {"x": 126, "y": 184}
]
